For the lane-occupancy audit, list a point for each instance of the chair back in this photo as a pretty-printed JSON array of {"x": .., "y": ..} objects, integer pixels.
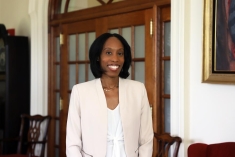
[
  {"x": 212, "y": 150},
  {"x": 164, "y": 143},
  {"x": 36, "y": 134},
  {"x": 197, "y": 149}
]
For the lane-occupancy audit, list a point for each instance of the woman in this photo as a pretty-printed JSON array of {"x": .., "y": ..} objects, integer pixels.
[{"x": 110, "y": 115}]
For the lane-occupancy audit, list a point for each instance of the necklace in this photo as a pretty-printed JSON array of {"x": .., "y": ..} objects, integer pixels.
[{"x": 107, "y": 89}]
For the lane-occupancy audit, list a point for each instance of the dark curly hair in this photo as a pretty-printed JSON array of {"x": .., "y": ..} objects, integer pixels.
[{"x": 95, "y": 52}]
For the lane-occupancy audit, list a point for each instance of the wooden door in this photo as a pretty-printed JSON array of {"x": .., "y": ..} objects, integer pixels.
[
  {"x": 71, "y": 64},
  {"x": 145, "y": 20},
  {"x": 164, "y": 72},
  {"x": 69, "y": 60},
  {"x": 161, "y": 67}
]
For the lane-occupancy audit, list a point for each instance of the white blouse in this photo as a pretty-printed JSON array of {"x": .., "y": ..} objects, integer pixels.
[{"x": 115, "y": 139}]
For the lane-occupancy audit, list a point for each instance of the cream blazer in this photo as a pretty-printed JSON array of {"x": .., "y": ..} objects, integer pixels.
[{"x": 86, "y": 134}]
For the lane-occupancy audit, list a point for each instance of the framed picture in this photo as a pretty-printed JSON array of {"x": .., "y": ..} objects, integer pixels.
[{"x": 219, "y": 41}]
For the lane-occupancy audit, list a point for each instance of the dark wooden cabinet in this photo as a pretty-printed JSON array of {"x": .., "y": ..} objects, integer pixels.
[{"x": 14, "y": 86}]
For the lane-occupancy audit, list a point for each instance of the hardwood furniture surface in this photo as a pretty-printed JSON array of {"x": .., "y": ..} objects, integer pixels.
[
  {"x": 36, "y": 129},
  {"x": 164, "y": 143},
  {"x": 224, "y": 149}
]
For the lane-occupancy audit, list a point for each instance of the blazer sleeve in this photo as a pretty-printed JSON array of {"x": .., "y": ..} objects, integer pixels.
[
  {"x": 146, "y": 128},
  {"x": 73, "y": 130}
]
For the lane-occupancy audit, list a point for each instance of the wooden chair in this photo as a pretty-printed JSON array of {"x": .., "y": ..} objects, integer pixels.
[
  {"x": 164, "y": 142},
  {"x": 36, "y": 136}
]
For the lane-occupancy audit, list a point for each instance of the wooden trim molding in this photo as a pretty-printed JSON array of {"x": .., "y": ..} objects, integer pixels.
[
  {"x": 38, "y": 11},
  {"x": 180, "y": 26},
  {"x": 107, "y": 10}
]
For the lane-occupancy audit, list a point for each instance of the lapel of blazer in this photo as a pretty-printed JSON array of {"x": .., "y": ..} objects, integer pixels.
[
  {"x": 122, "y": 101},
  {"x": 102, "y": 121},
  {"x": 100, "y": 92}
]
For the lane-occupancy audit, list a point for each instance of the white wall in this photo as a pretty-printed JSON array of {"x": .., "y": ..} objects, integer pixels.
[
  {"x": 14, "y": 14},
  {"x": 201, "y": 112},
  {"x": 212, "y": 106}
]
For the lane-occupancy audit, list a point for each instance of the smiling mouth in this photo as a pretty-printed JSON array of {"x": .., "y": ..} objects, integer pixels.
[{"x": 113, "y": 67}]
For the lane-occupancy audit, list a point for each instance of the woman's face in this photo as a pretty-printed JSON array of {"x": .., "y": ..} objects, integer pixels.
[{"x": 112, "y": 57}]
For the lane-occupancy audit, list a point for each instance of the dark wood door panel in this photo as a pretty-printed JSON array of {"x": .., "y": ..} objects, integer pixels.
[
  {"x": 81, "y": 27},
  {"x": 128, "y": 19}
]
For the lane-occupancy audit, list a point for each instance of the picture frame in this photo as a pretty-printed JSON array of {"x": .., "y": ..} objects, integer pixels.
[{"x": 217, "y": 66}]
